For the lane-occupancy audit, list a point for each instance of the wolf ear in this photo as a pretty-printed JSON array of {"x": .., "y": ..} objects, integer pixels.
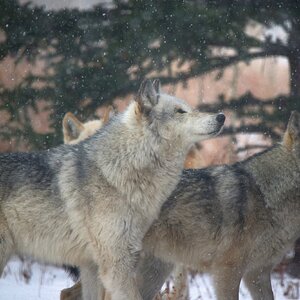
[
  {"x": 72, "y": 127},
  {"x": 147, "y": 96},
  {"x": 108, "y": 113},
  {"x": 292, "y": 133}
]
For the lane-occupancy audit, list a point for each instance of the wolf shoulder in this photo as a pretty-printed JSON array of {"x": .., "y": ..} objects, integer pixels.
[{"x": 33, "y": 170}]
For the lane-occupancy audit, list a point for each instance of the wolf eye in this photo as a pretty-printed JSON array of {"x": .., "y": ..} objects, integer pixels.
[{"x": 180, "y": 111}]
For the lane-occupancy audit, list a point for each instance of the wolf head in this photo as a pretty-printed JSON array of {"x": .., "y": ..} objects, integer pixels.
[
  {"x": 171, "y": 118},
  {"x": 75, "y": 131},
  {"x": 291, "y": 138}
]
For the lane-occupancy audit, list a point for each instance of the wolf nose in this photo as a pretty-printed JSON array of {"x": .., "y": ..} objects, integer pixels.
[{"x": 220, "y": 118}]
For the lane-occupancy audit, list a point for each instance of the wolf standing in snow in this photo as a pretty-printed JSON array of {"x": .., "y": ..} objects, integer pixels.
[
  {"x": 91, "y": 204},
  {"x": 233, "y": 221}
]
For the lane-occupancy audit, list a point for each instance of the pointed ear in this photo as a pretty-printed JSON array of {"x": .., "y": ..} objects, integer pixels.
[
  {"x": 292, "y": 133},
  {"x": 72, "y": 127},
  {"x": 157, "y": 85},
  {"x": 108, "y": 113},
  {"x": 147, "y": 96}
]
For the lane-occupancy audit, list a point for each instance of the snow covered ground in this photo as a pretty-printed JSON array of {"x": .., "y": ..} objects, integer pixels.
[
  {"x": 46, "y": 282},
  {"x": 284, "y": 288}
]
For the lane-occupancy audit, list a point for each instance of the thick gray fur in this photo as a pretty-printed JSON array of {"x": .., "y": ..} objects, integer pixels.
[
  {"x": 233, "y": 221},
  {"x": 91, "y": 204}
]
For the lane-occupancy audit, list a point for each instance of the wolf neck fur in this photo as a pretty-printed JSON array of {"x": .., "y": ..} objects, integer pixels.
[{"x": 139, "y": 161}]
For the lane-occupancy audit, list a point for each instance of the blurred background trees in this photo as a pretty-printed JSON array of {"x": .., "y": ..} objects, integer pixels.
[
  {"x": 87, "y": 58},
  {"x": 74, "y": 59}
]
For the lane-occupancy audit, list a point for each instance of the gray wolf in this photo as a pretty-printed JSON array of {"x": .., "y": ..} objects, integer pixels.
[
  {"x": 233, "y": 221},
  {"x": 90, "y": 204},
  {"x": 75, "y": 131}
]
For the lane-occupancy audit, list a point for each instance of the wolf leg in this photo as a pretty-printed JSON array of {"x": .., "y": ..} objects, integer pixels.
[
  {"x": 152, "y": 273},
  {"x": 180, "y": 290},
  {"x": 72, "y": 293},
  {"x": 6, "y": 245},
  {"x": 258, "y": 282},
  {"x": 118, "y": 274},
  {"x": 227, "y": 281},
  {"x": 121, "y": 287},
  {"x": 92, "y": 288}
]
